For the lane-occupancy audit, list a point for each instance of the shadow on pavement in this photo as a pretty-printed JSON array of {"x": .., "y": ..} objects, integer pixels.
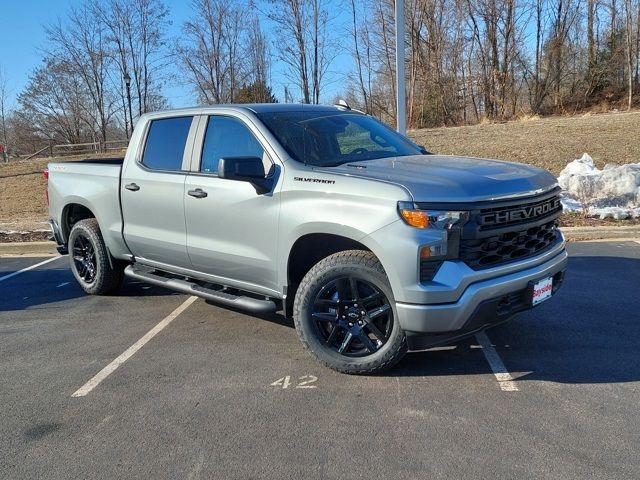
[{"x": 40, "y": 288}]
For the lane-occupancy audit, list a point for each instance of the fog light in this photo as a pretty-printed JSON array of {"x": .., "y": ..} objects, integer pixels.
[{"x": 429, "y": 251}]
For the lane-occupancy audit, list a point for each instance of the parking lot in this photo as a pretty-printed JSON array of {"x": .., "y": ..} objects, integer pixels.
[{"x": 220, "y": 394}]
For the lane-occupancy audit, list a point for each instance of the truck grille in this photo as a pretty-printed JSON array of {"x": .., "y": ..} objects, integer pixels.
[
  {"x": 503, "y": 232},
  {"x": 506, "y": 247}
]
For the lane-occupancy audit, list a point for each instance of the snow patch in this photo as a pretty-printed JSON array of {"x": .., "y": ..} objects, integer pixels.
[{"x": 612, "y": 192}]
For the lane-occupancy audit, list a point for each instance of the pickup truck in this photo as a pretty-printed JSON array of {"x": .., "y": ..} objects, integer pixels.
[{"x": 374, "y": 246}]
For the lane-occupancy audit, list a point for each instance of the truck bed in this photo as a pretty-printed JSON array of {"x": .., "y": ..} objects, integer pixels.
[{"x": 93, "y": 184}]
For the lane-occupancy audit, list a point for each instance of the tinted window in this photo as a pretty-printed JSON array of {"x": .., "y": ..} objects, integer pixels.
[
  {"x": 355, "y": 138},
  {"x": 165, "y": 143},
  {"x": 330, "y": 138},
  {"x": 227, "y": 137}
]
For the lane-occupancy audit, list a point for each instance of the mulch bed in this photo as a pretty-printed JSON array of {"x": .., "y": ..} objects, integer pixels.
[
  {"x": 577, "y": 220},
  {"x": 24, "y": 237}
]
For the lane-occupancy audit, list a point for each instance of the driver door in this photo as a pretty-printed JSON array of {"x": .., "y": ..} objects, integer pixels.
[{"x": 231, "y": 229}]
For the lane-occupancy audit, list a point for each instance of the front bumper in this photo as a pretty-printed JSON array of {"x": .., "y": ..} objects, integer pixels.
[{"x": 482, "y": 304}]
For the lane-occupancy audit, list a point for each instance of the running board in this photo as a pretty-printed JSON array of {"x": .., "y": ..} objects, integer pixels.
[{"x": 251, "y": 304}]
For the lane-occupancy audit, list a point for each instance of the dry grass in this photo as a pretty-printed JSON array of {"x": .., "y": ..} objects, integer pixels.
[{"x": 548, "y": 142}]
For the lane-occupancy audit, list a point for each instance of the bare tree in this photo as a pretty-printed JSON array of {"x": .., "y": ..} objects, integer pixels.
[
  {"x": 383, "y": 96},
  {"x": 80, "y": 44},
  {"x": 134, "y": 32},
  {"x": 629, "y": 46},
  {"x": 360, "y": 35},
  {"x": 259, "y": 67},
  {"x": 304, "y": 44},
  {"x": 4, "y": 111},
  {"x": 55, "y": 102},
  {"x": 212, "y": 49}
]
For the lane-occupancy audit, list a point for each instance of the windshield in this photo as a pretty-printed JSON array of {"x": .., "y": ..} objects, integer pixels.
[{"x": 327, "y": 139}]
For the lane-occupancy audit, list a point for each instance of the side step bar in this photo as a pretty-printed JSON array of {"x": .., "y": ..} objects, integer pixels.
[{"x": 251, "y": 304}]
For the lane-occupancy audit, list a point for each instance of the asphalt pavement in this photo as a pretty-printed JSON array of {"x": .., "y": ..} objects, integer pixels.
[{"x": 217, "y": 393}]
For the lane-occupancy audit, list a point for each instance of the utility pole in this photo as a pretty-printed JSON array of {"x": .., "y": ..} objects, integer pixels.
[{"x": 401, "y": 93}]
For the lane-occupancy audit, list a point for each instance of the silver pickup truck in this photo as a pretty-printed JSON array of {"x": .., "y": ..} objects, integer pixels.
[{"x": 372, "y": 244}]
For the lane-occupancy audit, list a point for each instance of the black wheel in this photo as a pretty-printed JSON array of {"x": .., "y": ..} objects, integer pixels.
[
  {"x": 95, "y": 271},
  {"x": 344, "y": 312}
]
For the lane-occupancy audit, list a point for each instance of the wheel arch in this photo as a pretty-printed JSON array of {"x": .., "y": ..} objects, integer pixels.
[
  {"x": 308, "y": 250},
  {"x": 72, "y": 213}
]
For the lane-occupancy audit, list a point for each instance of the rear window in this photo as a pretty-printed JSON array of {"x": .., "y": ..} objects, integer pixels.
[{"x": 165, "y": 143}]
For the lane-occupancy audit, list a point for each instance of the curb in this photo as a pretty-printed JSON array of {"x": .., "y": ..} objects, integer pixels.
[
  {"x": 28, "y": 249},
  {"x": 572, "y": 234},
  {"x": 581, "y": 234}
]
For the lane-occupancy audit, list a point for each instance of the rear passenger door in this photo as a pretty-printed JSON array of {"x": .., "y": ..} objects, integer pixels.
[{"x": 152, "y": 193}]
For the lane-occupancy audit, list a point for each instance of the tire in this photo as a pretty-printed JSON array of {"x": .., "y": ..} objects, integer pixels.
[
  {"x": 95, "y": 270},
  {"x": 328, "y": 307}
]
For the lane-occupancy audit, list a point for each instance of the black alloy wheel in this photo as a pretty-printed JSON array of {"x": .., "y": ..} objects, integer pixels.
[
  {"x": 84, "y": 258},
  {"x": 91, "y": 263},
  {"x": 353, "y": 316},
  {"x": 345, "y": 314}
]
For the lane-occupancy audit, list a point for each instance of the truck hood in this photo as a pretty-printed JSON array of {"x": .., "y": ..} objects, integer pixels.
[{"x": 444, "y": 178}]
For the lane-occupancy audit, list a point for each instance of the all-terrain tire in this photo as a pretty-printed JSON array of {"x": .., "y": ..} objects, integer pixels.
[
  {"x": 364, "y": 266},
  {"x": 107, "y": 273}
]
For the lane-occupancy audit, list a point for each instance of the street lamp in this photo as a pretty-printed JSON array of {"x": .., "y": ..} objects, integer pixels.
[{"x": 127, "y": 82}]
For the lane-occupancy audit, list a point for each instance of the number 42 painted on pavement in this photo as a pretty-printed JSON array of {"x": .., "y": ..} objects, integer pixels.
[{"x": 304, "y": 381}]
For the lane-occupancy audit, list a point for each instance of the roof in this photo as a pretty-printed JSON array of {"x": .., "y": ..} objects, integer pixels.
[
  {"x": 252, "y": 107},
  {"x": 288, "y": 107}
]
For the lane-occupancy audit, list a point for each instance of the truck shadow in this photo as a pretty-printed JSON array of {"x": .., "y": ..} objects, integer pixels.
[
  {"x": 42, "y": 288},
  {"x": 589, "y": 333}
]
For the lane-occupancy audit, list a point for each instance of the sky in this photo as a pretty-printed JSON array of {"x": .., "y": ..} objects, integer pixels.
[{"x": 22, "y": 38}]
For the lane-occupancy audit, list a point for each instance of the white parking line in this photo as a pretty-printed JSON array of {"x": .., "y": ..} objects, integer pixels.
[
  {"x": 505, "y": 380},
  {"x": 11, "y": 275},
  {"x": 128, "y": 353}
]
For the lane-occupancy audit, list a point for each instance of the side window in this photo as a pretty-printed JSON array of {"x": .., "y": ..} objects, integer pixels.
[
  {"x": 228, "y": 137},
  {"x": 165, "y": 143}
]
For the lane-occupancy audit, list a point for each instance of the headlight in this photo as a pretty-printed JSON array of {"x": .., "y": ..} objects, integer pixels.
[{"x": 439, "y": 219}]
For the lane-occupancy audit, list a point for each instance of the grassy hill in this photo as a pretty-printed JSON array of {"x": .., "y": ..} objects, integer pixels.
[{"x": 547, "y": 142}]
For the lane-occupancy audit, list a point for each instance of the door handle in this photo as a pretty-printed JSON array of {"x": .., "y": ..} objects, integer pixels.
[
  {"x": 198, "y": 193},
  {"x": 132, "y": 186}
]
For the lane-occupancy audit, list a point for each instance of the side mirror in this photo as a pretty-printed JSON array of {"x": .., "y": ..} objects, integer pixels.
[
  {"x": 240, "y": 168},
  {"x": 245, "y": 169}
]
